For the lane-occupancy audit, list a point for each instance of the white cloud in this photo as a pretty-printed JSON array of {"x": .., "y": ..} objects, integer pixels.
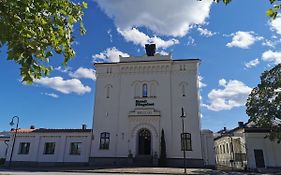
[
  {"x": 190, "y": 41},
  {"x": 51, "y": 95},
  {"x": 64, "y": 86},
  {"x": 162, "y": 52},
  {"x": 233, "y": 93},
  {"x": 163, "y": 17},
  {"x": 275, "y": 25},
  {"x": 271, "y": 56},
  {"x": 139, "y": 38},
  {"x": 252, "y": 63},
  {"x": 109, "y": 55},
  {"x": 200, "y": 81},
  {"x": 63, "y": 69},
  {"x": 205, "y": 32},
  {"x": 243, "y": 39},
  {"x": 82, "y": 72}
]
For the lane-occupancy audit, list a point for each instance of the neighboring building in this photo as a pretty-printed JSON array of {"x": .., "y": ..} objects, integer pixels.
[
  {"x": 50, "y": 147},
  {"x": 4, "y": 139},
  {"x": 245, "y": 147},
  {"x": 138, "y": 97},
  {"x": 208, "y": 151}
]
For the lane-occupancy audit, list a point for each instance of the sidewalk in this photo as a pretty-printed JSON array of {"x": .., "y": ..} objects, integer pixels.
[{"x": 130, "y": 170}]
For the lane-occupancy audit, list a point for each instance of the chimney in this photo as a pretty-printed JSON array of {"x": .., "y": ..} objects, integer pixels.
[
  {"x": 150, "y": 49},
  {"x": 32, "y": 127},
  {"x": 84, "y": 126},
  {"x": 240, "y": 124},
  {"x": 224, "y": 129}
]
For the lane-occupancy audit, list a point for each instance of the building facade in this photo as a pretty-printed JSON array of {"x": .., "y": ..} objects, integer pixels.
[
  {"x": 49, "y": 147},
  {"x": 4, "y": 139},
  {"x": 245, "y": 147},
  {"x": 138, "y": 97}
]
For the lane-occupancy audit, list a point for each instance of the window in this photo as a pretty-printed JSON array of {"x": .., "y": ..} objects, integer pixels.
[
  {"x": 183, "y": 90},
  {"x": 223, "y": 148},
  {"x": 107, "y": 92},
  {"x": 104, "y": 140},
  {"x": 144, "y": 90},
  {"x": 24, "y": 148},
  {"x": 227, "y": 148},
  {"x": 75, "y": 148},
  {"x": 49, "y": 148}
]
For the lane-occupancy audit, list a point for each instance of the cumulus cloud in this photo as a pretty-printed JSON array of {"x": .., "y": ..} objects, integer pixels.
[
  {"x": 200, "y": 81},
  {"x": 109, "y": 55},
  {"x": 163, "y": 17},
  {"x": 275, "y": 25},
  {"x": 205, "y": 32},
  {"x": 82, "y": 72},
  {"x": 64, "y": 86},
  {"x": 252, "y": 63},
  {"x": 243, "y": 39},
  {"x": 233, "y": 93},
  {"x": 271, "y": 56},
  {"x": 51, "y": 95},
  {"x": 140, "y": 38}
]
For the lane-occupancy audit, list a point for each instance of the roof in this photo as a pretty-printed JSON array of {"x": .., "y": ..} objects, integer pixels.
[
  {"x": 248, "y": 127},
  {"x": 145, "y": 61},
  {"x": 45, "y": 130}
]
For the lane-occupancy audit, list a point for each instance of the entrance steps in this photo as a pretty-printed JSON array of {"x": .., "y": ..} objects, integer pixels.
[{"x": 143, "y": 160}]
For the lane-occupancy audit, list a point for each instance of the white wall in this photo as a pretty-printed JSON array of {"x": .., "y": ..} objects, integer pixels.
[
  {"x": 111, "y": 114},
  {"x": 208, "y": 151},
  {"x": 3, "y": 148},
  {"x": 271, "y": 150},
  {"x": 62, "y": 147}
]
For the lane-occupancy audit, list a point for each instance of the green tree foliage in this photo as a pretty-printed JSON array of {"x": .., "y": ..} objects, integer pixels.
[
  {"x": 264, "y": 103},
  {"x": 272, "y": 12},
  {"x": 33, "y": 30},
  {"x": 163, "y": 155}
]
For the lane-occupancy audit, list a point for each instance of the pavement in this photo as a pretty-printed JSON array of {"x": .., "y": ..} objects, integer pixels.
[{"x": 126, "y": 171}]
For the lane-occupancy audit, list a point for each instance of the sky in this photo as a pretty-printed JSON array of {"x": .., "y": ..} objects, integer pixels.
[{"x": 235, "y": 43}]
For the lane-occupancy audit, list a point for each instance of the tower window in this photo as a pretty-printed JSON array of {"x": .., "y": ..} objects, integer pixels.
[
  {"x": 104, "y": 140},
  {"x": 144, "y": 90},
  {"x": 107, "y": 92}
]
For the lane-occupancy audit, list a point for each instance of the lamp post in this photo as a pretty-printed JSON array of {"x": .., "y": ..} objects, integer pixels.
[
  {"x": 12, "y": 123},
  {"x": 182, "y": 138}
]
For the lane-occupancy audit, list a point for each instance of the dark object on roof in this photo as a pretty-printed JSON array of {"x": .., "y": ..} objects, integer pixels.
[{"x": 150, "y": 49}]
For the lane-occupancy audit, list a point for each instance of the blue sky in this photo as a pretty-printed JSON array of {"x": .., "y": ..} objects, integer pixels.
[{"x": 236, "y": 43}]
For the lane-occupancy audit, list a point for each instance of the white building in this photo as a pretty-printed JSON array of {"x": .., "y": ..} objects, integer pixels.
[
  {"x": 4, "y": 139},
  {"x": 50, "y": 147},
  {"x": 245, "y": 147},
  {"x": 138, "y": 97}
]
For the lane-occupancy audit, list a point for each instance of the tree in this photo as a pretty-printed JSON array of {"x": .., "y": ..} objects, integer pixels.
[
  {"x": 163, "y": 155},
  {"x": 272, "y": 12},
  {"x": 264, "y": 103},
  {"x": 33, "y": 30}
]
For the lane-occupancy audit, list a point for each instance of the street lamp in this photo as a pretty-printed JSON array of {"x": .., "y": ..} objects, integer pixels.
[
  {"x": 183, "y": 116},
  {"x": 12, "y": 123}
]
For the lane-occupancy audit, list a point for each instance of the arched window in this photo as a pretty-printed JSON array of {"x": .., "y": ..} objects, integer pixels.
[
  {"x": 144, "y": 90},
  {"x": 104, "y": 140},
  {"x": 183, "y": 90},
  {"x": 107, "y": 92}
]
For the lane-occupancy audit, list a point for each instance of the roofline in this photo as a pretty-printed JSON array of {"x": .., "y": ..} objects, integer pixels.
[
  {"x": 191, "y": 60},
  {"x": 43, "y": 130}
]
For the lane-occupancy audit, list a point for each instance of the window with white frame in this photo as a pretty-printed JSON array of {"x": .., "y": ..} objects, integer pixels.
[
  {"x": 24, "y": 148},
  {"x": 144, "y": 90},
  {"x": 49, "y": 148},
  {"x": 104, "y": 140},
  {"x": 75, "y": 148}
]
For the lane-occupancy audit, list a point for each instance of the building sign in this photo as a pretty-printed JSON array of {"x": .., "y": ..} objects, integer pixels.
[{"x": 143, "y": 103}]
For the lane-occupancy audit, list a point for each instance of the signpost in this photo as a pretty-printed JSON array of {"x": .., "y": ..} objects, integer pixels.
[{"x": 185, "y": 140}]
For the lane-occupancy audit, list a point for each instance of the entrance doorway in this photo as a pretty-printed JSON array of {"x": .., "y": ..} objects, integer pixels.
[
  {"x": 259, "y": 158},
  {"x": 144, "y": 142}
]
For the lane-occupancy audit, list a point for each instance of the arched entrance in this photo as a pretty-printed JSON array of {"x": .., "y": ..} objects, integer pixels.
[{"x": 144, "y": 142}]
